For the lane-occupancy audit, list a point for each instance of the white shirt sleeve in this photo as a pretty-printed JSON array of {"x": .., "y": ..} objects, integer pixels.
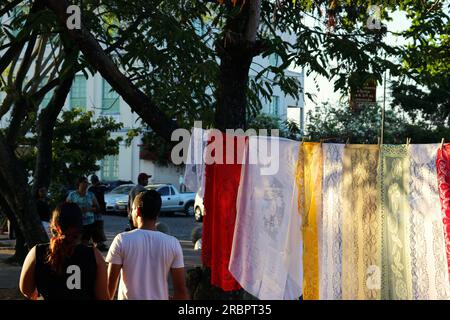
[
  {"x": 115, "y": 255},
  {"x": 178, "y": 261}
]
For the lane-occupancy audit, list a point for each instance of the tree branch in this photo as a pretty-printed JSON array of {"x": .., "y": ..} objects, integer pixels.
[
  {"x": 20, "y": 40},
  {"x": 25, "y": 64},
  {"x": 140, "y": 103}
]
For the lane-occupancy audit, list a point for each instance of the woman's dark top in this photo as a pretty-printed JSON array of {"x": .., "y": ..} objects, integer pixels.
[
  {"x": 64, "y": 286},
  {"x": 43, "y": 210}
]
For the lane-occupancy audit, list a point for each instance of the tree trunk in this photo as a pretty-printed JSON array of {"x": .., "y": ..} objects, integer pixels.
[
  {"x": 46, "y": 127},
  {"x": 236, "y": 51},
  {"x": 232, "y": 90},
  {"x": 16, "y": 193},
  {"x": 20, "y": 248}
]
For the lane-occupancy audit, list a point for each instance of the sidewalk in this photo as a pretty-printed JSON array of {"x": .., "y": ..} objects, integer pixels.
[{"x": 9, "y": 274}]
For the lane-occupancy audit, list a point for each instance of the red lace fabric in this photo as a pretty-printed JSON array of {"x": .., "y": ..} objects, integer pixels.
[
  {"x": 221, "y": 188},
  {"x": 443, "y": 173}
]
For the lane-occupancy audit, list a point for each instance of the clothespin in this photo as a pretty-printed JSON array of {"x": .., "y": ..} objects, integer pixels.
[
  {"x": 408, "y": 141},
  {"x": 442, "y": 143},
  {"x": 347, "y": 142}
]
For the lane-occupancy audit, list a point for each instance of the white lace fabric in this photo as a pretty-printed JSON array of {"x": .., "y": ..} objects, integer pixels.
[
  {"x": 267, "y": 244},
  {"x": 428, "y": 256},
  {"x": 330, "y": 240},
  {"x": 194, "y": 174}
]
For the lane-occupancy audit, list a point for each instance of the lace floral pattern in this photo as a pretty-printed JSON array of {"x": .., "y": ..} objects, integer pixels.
[
  {"x": 396, "y": 281},
  {"x": 429, "y": 274},
  {"x": 267, "y": 244},
  {"x": 194, "y": 175},
  {"x": 443, "y": 171},
  {"x": 331, "y": 245},
  {"x": 309, "y": 183},
  {"x": 361, "y": 225}
]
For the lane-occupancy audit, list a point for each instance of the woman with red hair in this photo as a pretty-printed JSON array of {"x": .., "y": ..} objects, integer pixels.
[{"x": 65, "y": 269}]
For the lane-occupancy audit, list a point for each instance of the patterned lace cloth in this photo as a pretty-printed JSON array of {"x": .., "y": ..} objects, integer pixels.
[
  {"x": 309, "y": 183},
  {"x": 330, "y": 246},
  {"x": 428, "y": 256},
  {"x": 267, "y": 245},
  {"x": 194, "y": 174},
  {"x": 443, "y": 172},
  {"x": 361, "y": 224},
  {"x": 396, "y": 280}
]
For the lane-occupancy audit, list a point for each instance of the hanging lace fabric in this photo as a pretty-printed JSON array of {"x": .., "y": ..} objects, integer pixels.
[
  {"x": 221, "y": 187},
  {"x": 396, "y": 280},
  {"x": 267, "y": 246},
  {"x": 330, "y": 260},
  {"x": 361, "y": 224},
  {"x": 309, "y": 183},
  {"x": 194, "y": 174},
  {"x": 428, "y": 255},
  {"x": 443, "y": 172}
]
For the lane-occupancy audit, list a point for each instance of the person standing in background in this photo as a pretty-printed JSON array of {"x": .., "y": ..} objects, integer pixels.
[
  {"x": 88, "y": 205},
  {"x": 142, "y": 183},
  {"x": 42, "y": 204},
  {"x": 43, "y": 207},
  {"x": 99, "y": 233},
  {"x": 181, "y": 183}
]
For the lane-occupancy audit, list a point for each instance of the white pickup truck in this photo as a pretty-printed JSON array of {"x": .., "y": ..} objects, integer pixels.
[{"x": 174, "y": 200}]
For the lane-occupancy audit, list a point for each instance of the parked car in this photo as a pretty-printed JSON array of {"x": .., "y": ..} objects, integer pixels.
[
  {"x": 117, "y": 199},
  {"x": 199, "y": 209},
  {"x": 110, "y": 185},
  {"x": 173, "y": 200}
]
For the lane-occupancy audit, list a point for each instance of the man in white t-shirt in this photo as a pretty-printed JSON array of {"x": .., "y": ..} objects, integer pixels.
[{"x": 145, "y": 257}]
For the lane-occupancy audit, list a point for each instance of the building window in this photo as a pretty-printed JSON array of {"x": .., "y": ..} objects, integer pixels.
[
  {"x": 110, "y": 168},
  {"x": 110, "y": 100},
  {"x": 78, "y": 93},
  {"x": 274, "y": 105}
]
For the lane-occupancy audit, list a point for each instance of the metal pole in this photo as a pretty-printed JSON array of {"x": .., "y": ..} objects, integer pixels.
[{"x": 383, "y": 109}]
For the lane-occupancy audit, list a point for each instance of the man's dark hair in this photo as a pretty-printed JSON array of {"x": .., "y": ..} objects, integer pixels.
[
  {"x": 150, "y": 204},
  {"x": 94, "y": 179}
]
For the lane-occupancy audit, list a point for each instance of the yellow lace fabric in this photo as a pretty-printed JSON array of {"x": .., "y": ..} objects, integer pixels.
[
  {"x": 361, "y": 224},
  {"x": 309, "y": 183}
]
